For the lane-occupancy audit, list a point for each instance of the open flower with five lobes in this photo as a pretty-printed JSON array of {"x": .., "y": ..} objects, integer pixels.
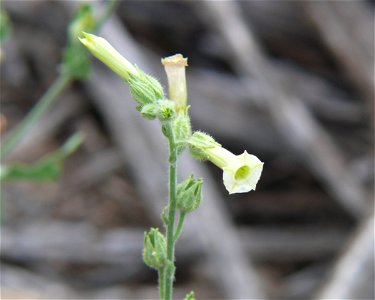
[{"x": 241, "y": 173}]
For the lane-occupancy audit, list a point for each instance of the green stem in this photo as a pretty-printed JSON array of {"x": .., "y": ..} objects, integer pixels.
[
  {"x": 34, "y": 115},
  {"x": 169, "y": 270},
  {"x": 180, "y": 223},
  {"x": 161, "y": 274}
]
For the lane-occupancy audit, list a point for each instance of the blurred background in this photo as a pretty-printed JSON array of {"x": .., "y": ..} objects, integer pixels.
[{"x": 289, "y": 81}]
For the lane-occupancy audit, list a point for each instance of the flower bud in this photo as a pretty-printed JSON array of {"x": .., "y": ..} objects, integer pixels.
[
  {"x": 103, "y": 51},
  {"x": 149, "y": 111},
  {"x": 189, "y": 194},
  {"x": 175, "y": 68},
  {"x": 155, "y": 249}
]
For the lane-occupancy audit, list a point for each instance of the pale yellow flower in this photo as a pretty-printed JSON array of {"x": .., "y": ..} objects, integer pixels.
[
  {"x": 175, "y": 68},
  {"x": 241, "y": 173},
  {"x": 104, "y": 51}
]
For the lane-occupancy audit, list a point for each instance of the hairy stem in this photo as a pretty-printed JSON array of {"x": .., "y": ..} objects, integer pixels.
[
  {"x": 169, "y": 270},
  {"x": 161, "y": 274},
  {"x": 34, "y": 115}
]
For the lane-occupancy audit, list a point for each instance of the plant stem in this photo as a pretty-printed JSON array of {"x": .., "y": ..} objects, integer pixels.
[
  {"x": 169, "y": 270},
  {"x": 161, "y": 274},
  {"x": 36, "y": 112},
  {"x": 180, "y": 223}
]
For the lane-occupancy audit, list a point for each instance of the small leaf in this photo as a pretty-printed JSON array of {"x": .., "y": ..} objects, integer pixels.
[{"x": 48, "y": 168}]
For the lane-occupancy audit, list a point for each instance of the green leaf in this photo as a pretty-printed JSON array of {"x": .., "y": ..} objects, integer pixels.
[
  {"x": 48, "y": 168},
  {"x": 76, "y": 60},
  {"x": 4, "y": 25}
]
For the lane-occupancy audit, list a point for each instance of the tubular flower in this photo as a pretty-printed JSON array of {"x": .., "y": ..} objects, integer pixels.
[
  {"x": 241, "y": 173},
  {"x": 175, "y": 68},
  {"x": 104, "y": 51}
]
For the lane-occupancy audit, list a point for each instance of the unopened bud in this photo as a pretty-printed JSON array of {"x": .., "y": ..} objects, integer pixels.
[
  {"x": 104, "y": 51},
  {"x": 155, "y": 249},
  {"x": 189, "y": 194},
  {"x": 149, "y": 111}
]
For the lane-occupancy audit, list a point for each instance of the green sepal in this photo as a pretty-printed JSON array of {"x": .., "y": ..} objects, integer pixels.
[
  {"x": 144, "y": 88},
  {"x": 182, "y": 129},
  {"x": 48, "y": 168},
  {"x": 189, "y": 194},
  {"x": 200, "y": 141},
  {"x": 154, "y": 249}
]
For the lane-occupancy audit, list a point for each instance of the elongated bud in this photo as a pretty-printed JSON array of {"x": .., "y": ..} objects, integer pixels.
[
  {"x": 144, "y": 88},
  {"x": 189, "y": 194},
  {"x": 103, "y": 51},
  {"x": 155, "y": 249},
  {"x": 175, "y": 68}
]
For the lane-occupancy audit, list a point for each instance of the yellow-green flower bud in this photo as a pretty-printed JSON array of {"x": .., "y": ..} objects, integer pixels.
[
  {"x": 103, "y": 51},
  {"x": 241, "y": 173},
  {"x": 175, "y": 68},
  {"x": 189, "y": 194},
  {"x": 155, "y": 249}
]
